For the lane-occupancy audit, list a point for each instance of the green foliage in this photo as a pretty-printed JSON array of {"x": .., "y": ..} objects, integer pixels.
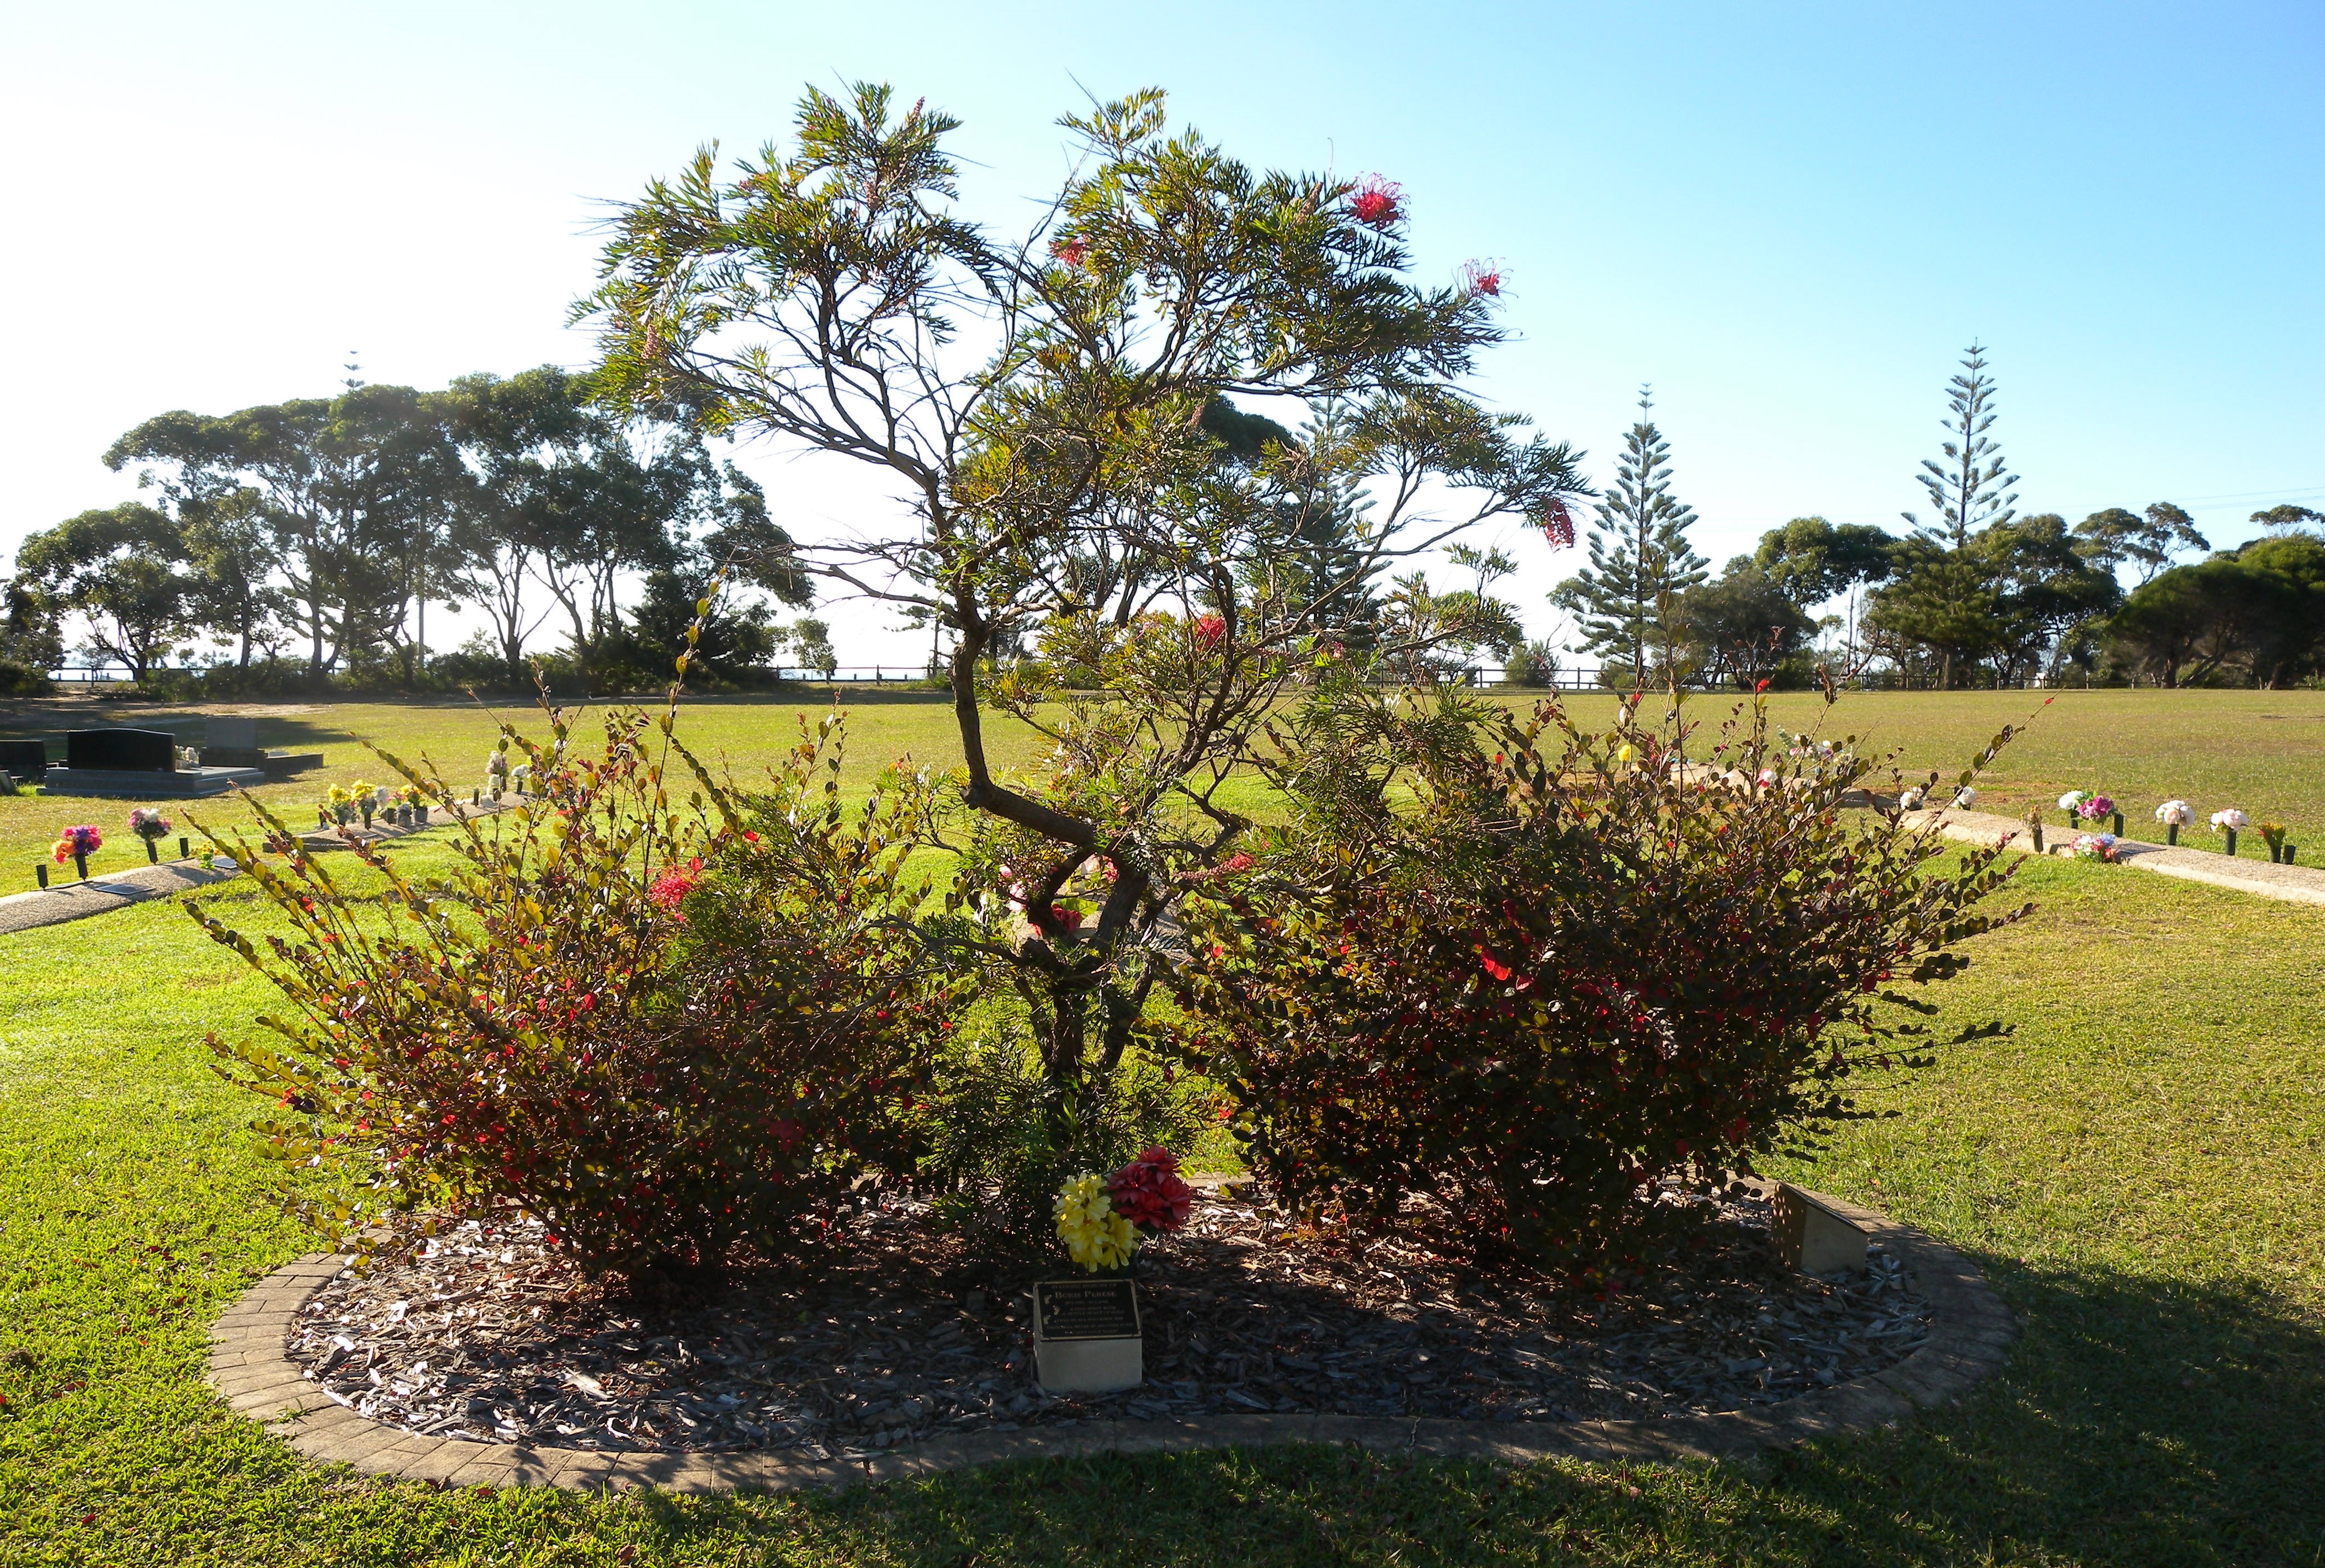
[
  {"x": 2258, "y": 613},
  {"x": 1741, "y": 627},
  {"x": 123, "y": 569},
  {"x": 670, "y": 1037},
  {"x": 1057, "y": 413},
  {"x": 1811, "y": 560},
  {"x": 1968, "y": 487},
  {"x": 1566, "y": 977},
  {"x": 1627, "y": 601}
]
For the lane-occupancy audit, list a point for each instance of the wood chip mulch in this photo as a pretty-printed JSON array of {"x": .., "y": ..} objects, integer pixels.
[{"x": 492, "y": 1336}]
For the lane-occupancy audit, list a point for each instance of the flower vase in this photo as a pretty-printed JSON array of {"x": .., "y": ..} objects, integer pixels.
[
  {"x": 153, "y": 856},
  {"x": 2118, "y": 824},
  {"x": 80, "y": 865},
  {"x": 366, "y": 817},
  {"x": 41, "y": 872},
  {"x": 184, "y": 851},
  {"x": 2232, "y": 840},
  {"x": 2288, "y": 855},
  {"x": 2172, "y": 834},
  {"x": 2276, "y": 856}
]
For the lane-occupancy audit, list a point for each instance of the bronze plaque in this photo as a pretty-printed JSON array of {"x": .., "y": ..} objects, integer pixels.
[{"x": 1086, "y": 1309}]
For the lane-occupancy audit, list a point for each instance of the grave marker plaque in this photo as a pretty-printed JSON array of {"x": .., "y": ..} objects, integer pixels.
[
  {"x": 1085, "y": 1335},
  {"x": 1086, "y": 1309}
]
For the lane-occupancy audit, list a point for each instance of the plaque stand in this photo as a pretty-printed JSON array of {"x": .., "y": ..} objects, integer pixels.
[{"x": 1080, "y": 1345}]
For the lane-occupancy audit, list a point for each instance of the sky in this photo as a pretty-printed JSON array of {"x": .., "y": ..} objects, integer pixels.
[{"x": 1790, "y": 219}]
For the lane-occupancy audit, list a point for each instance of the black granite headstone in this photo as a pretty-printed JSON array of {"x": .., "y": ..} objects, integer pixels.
[
  {"x": 23, "y": 759},
  {"x": 122, "y": 750}
]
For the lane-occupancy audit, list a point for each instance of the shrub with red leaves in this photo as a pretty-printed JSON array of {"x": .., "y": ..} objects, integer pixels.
[
  {"x": 1148, "y": 1191},
  {"x": 1565, "y": 977},
  {"x": 1376, "y": 203},
  {"x": 543, "y": 1028}
]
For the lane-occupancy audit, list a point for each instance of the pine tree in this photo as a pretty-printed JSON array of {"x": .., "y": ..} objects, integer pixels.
[
  {"x": 1967, "y": 488},
  {"x": 1626, "y": 602}
]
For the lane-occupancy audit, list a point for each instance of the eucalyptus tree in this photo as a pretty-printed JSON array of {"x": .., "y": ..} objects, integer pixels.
[
  {"x": 352, "y": 491},
  {"x": 1036, "y": 398},
  {"x": 124, "y": 569}
]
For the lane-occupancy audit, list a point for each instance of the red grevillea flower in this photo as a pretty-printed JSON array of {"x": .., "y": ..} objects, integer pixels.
[
  {"x": 1066, "y": 915},
  {"x": 670, "y": 889},
  {"x": 1148, "y": 1191},
  {"x": 1071, "y": 249},
  {"x": 1377, "y": 203},
  {"x": 1210, "y": 631},
  {"x": 1482, "y": 278},
  {"x": 1557, "y": 525}
]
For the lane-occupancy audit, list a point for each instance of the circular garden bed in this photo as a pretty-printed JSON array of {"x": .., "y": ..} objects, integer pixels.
[{"x": 493, "y": 1338}]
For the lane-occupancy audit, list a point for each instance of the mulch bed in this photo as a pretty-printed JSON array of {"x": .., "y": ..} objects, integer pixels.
[{"x": 494, "y": 1337}]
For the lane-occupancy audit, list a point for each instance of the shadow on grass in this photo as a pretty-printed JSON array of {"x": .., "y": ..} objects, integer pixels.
[{"x": 2138, "y": 1422}]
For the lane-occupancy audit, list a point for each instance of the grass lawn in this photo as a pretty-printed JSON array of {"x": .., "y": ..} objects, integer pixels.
[{"x": 2138, "y": 1167}]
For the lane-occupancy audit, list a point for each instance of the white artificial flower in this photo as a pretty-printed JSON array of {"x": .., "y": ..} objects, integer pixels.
[
  {"x": 2176, "y": 813},
  {"x": 2230, "y": 819},
  {"x": 1911, "y": 800},
  {"x": 1966, "y": 798},
  {"x": 2070, "y": 799}
]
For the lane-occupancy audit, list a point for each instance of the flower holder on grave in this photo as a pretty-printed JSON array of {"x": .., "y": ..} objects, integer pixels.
[
  {"x": 1087, "y": 1338},
  {"x": 1811, "y": 1237}
]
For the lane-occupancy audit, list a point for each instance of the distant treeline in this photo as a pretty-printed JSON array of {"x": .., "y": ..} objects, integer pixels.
[{"x": 303, "y": 542}]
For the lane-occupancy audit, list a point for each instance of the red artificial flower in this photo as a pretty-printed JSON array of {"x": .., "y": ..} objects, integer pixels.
[
  {"x": 1482, "y": 278},
  {"x": 1558, "y": 525},
  {"x": 1377, "y": 203},
  {"x": 1148, "y": 1191},
  {"x": 1210, "y": 631}
]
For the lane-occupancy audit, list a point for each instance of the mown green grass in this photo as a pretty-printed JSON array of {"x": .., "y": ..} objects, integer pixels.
[
  {"x": 2263, "y": 752},
  {"x": 2138, "y": 1167}
]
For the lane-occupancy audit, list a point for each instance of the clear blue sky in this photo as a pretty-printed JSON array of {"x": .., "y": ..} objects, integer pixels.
[{"x": 1790, "y": 219}]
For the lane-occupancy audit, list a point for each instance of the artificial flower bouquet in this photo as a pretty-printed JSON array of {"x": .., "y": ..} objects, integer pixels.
[
  {"x": 2271, "y": 834},
  {"x": 2095, "y": 808},
  {"x": 77, "y": 844},
  {"x": 1102, "y": 1219},
  {"x": 148, "y": 823},
  {"x": 2175, "y": 815},
  {"x": 2098, "y": 846}
]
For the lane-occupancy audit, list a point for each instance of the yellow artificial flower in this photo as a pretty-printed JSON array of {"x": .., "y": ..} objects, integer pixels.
[
  {"x": 337, "y": 797},
  {"x": 1623, "y": 755},
  {"x": 1095, "y": 1237}
]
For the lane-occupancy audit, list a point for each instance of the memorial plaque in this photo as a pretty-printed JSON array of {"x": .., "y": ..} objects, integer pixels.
[
  {"x": 23, "y": 759},
  {"x": 122, "y": 750},
  {"x": 1086, "y": 1309}
]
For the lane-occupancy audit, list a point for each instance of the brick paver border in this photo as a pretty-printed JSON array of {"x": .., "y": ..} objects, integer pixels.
[{"x": 1971, "y": 1332}]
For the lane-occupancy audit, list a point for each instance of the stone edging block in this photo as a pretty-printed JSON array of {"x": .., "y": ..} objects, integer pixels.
[{"x": 1970, "y": 1330}]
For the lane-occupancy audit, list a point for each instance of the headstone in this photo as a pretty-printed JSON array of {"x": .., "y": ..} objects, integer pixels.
[
  {"x": 239, "y": 731},
  {"x": 23, "y": 760},
  {"x": 1085, "y": 1335},
  {"x": 122, "y": 750},
  {"x": 1811, "y": 1237}
]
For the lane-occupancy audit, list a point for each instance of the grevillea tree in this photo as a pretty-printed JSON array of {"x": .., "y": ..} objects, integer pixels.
[{"x": 1055, "y": 412}]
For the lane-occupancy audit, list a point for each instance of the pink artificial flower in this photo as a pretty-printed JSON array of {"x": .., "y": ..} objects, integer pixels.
[{"x": 1377, "y": 203}]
